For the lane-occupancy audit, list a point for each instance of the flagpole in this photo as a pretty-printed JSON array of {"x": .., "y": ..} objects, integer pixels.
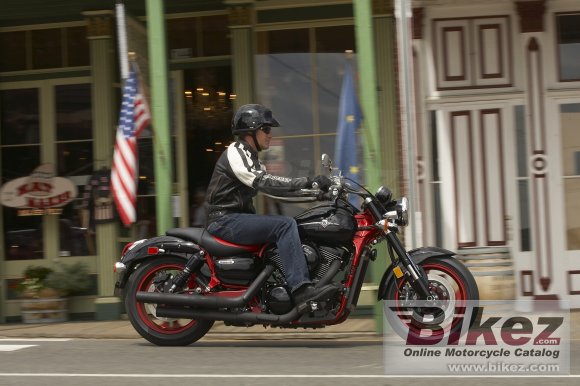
[{"x": 122, "y": 39}]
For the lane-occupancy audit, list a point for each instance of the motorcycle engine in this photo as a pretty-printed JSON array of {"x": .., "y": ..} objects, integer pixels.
[{"x": 318, "y": 258}]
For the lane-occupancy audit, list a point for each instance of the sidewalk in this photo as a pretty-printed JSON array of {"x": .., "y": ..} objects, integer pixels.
[
  {"x": 353, "y": 328},
  {"x": 122, "y": 329}
]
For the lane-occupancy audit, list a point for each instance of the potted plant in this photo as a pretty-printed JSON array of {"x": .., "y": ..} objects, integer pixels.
[
  {"x": 44, "y": 291},
  {"x": 69, "y": 279}
]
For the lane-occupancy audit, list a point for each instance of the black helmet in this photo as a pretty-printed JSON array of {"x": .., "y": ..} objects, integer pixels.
[{"x": 250, "y": 118}]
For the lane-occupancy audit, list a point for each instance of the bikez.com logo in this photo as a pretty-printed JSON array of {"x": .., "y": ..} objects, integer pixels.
[{"x": 471, "y": 328}]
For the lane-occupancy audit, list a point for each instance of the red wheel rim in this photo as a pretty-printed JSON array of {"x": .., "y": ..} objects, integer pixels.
[
  {"x": 460, "y": 296},
  {"x": 160, "y": 325}
]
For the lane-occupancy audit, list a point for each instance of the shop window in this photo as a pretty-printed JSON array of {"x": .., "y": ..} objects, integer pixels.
[
  {"x": 20, "y": 119},
  {"x": 301, "y": 82},
  {"x": 46, "y": 48},
  {"x": 569, "y": 118},
  {"x": 74, "y": 133},
  {"x": 299, "y": 75},
  {"x": 283, "y": 41},
  {"x": 215, "y": 35},
  {"x": 182, "y": 37},
  {"x": 146, "y": 183},
  {"x": 335, "y": 39},
  {"x": 77, "y": 47},
  {"x": 12, "y": 51},
  {"x": 19, "y": 123},
  {"x": 193, "y": 37},
  {"x": 523, "y": 179},
  {"x": 208, "y": 103},
  {"x": 75, "y": 158},
  {"x": 73, "y": 112},
  {"x": 568, "y": 26}
]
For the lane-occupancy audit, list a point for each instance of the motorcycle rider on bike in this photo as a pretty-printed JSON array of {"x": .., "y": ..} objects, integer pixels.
[{"x": 237, "y": 177}]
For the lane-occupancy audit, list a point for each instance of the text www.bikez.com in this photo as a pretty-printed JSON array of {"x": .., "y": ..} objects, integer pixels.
[{"x": 500, "y": 367}]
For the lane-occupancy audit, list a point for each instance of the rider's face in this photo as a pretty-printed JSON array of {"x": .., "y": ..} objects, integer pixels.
[{"x": 264, "y": 135}]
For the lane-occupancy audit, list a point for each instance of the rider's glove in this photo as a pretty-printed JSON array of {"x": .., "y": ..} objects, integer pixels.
[{"x": 321, "y": 182}]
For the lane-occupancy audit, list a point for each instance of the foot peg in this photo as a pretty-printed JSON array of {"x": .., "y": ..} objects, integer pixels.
[{"x": 311, "y": 302}]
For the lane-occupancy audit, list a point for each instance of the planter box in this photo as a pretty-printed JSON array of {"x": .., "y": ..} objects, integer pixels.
[{"x": 49, "y": 310}]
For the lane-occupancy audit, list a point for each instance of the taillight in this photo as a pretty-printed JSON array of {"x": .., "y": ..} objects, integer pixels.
[{"x": 152, "y": 251}]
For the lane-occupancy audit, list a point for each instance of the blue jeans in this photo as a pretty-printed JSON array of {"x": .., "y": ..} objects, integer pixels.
[{"x": 250, "y": 229}]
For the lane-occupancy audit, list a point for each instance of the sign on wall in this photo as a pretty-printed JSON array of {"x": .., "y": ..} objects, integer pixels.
[{"x": 40, "y": 193}]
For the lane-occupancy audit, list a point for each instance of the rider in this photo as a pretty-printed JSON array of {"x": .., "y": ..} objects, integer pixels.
[{"x": 237, "y": 176}]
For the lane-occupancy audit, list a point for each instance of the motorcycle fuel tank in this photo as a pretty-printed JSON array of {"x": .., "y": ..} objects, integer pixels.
[{"x": 329, "y": 223}]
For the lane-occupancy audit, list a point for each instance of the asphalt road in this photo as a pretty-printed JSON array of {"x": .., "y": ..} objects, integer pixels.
[{"x": 238, "y": 362}]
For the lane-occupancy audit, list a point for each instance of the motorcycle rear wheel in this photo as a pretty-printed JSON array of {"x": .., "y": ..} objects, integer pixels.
[
  {"x": 453, "y": 287},
  {"x": 160, "y": 331}
]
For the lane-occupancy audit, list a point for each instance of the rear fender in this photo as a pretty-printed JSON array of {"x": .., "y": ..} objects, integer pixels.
[
  {"x": 139, "y": 251},
  {"x": 418, "y": 256}
]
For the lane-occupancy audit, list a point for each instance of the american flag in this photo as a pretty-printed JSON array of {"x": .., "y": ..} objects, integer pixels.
[{"x": 133, "y": 119}]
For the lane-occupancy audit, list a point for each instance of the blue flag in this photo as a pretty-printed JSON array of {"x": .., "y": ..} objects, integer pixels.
[{"x": 346, "y": 151}]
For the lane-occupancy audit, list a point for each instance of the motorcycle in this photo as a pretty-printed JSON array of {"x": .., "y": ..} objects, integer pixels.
[{"x": 177, "y": 285}]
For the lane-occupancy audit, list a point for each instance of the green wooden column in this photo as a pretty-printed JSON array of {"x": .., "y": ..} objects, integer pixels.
[
  {"x": 370, "y": 90},
  {"x": 241, "y": 20},
  {"x": 385, "y": 49},
  {"x": 240, "y": 23},
  {"x": 100, "y": 32},
  {"x": 160, "y": 113},
  {"x": 390, "y": 174}
]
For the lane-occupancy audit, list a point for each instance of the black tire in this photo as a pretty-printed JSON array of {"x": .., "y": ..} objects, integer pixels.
[
  {"x": 160, "y": 331},
  {"x": 455, "y": 288}
]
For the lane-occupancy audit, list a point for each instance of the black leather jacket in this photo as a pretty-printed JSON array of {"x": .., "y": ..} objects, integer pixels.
[{"x": 238, "y": 176}]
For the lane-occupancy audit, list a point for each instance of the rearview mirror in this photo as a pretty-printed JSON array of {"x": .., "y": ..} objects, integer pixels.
[{"x": 327, "y": 162}]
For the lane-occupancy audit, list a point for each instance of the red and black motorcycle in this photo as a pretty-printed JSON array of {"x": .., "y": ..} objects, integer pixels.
[{"x": 175, "y": 286}]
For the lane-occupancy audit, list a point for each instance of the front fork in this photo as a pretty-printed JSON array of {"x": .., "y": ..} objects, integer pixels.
[{"x": 415, "y": 276}]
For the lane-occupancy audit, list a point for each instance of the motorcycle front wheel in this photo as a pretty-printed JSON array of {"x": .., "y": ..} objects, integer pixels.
[
  {"x": 151, "y": 276},
  {"x": 454, "y": 296}
]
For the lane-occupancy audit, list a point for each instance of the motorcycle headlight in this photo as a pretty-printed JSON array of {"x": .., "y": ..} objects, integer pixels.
[
  {"x": 402, "y": 211},
  {"x": 384, "y": 195}
]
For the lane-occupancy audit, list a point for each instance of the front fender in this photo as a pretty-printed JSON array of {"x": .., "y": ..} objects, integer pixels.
[{"x": 418, "y": 256}]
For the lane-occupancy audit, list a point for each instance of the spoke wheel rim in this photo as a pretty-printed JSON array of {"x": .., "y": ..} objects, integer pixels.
[{"x": 147, "y": 312}]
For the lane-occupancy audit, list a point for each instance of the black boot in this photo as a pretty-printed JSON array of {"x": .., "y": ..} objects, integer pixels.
[{"x": 308, "y": 293}]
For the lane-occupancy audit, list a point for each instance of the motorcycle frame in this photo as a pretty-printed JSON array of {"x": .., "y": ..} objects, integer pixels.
[{"x": 366, "y": 235}]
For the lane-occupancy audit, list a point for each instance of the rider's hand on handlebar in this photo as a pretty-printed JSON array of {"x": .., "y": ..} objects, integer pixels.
[
  {"x": 321, "y": 182},
  {"x": 325, "y": 196}
]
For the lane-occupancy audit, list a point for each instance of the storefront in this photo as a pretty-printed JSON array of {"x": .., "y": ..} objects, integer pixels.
[
  {"x": 499, "y": 95},
  {"x": 59, "y": 103}
]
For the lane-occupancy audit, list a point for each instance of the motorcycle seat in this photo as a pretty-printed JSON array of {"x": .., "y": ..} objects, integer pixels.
[{"x": 214, "y": 245}]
